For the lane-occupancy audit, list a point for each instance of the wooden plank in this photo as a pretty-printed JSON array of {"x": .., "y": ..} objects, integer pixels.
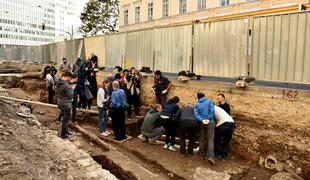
[{"x": 44, "y": 104}]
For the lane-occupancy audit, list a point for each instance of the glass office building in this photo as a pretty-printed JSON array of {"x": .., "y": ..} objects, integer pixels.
[{"x": 21, "y": 22}]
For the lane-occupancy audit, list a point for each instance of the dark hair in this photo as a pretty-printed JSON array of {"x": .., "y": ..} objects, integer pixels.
[
  {"x": 64, "y": 58},
  {"x": 157, "y": 72},
  {"x": 50, "y": 62},
  {"x": 220, "y": 94},
  {"x": 200, "y": 95},
  {"x": 125, "y": 70},
  {"x": 67, "y": 74},
  {"x": 74, "y": 76},
  {"x": 175, "y": 99},
  {"x": 117, "y": 76}
]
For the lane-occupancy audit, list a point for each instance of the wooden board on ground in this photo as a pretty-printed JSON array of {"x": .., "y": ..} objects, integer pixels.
[{"x": 112, "y": 140}]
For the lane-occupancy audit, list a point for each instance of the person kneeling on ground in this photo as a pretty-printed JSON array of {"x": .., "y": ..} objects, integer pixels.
[
  {"x": 102, "y": 102},
  {"x": 65, "y": 94},
  {"x": 223, "y": 132},
  {"x": 168, "y": 121},
  {"x": 150, "y": 128},
  {"x": 204, "y": 112},
  {"x": 188, "y": 127},
  {"x": 117, "y": 112}
]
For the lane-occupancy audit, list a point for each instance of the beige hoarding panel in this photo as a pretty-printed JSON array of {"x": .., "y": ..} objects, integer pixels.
[
  {"x": 220, "y": 48},
  {"x": 173, "y": 48},
  {"x": 96, "y": 45},
  {"x": 280, "y": 47},
  {"x": 139, "y": 49},
  {"x": 115, "y": 50}
]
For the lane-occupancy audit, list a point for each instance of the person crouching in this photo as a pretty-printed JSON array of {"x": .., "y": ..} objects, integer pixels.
[
  {"x": 150, "y": 128},
  {"x": 65, "y": 96},
  {"x": 188, "y": 127}
]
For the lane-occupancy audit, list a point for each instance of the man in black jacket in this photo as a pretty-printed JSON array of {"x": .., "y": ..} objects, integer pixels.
[
  {"x": 188, "y": 126},
  {"x": 65, "y": 95},
  {"x": 161, "y": 88}
]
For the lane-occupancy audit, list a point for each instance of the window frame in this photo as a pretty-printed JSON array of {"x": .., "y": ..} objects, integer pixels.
[
  {"x": 201, "y": 5},
  {"x": 137, "y": 13},
  {"x": 226, "y": 4},
  {"x": 181, "y": 6},
  {"x": 126, "y": 17},
  {"x": 165, "y": 6},
  {"x": 150, "y": 11}
]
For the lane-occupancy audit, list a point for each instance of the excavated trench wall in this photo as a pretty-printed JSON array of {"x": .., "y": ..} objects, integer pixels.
[{"x": 269, "y": 121}]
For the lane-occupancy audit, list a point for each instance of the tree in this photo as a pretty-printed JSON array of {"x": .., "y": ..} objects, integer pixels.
[{"x": 100, "y": 16}]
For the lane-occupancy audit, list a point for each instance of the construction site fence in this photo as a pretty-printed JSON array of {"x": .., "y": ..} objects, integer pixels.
[{"x": 273, "y": 47}]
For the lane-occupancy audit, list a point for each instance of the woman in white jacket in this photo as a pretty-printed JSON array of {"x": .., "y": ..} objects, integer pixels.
[{"x": 102, "y": 100}]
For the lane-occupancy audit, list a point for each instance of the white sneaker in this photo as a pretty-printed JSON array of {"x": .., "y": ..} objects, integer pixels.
[
  {"x": 103, "y": 134},
  {"x": 107, "y": 132}
]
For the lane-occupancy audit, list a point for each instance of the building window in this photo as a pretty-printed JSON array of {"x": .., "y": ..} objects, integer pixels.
[
  {"x": 150, "y": 11},
  {"x": 224, "y": 2},
  {"x": 165, "y": 8},
  {"x": 201, "y": 4},
  {"x": 137, "y": 14},
  {"x": 182, "y": 6},
  {"x": 126, "y": 17}
]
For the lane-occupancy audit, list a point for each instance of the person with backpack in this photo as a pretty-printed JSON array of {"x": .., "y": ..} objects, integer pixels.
[{"x": 102, "y": 103}]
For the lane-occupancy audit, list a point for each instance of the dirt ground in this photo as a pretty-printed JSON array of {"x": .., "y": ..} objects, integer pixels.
[{"x": 267, "y": 123}]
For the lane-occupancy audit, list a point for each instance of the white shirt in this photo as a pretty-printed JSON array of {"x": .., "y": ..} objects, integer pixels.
[
  {"x": 221, "y": 116},
  {"x": 100, "y": 97}
]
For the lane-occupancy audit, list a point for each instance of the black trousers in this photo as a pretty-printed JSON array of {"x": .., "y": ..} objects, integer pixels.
[
  {"x": 134, "y": 100},
  {"x": 187, "y": 131},
  {"x": 65, "y": 112},
  {"x": 118, "y": 123},
  {"x": 170, "y": 127},
  {"x": 222, "y": 138},
  {"x": 50, "y": 94},
  {"x": 161, "y": 99}
]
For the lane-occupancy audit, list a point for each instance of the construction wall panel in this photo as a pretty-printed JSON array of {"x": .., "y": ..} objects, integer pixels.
[
  {"x": 220, "y": 48},
  {"x": 281, "y": 45},
  {"x": 115, "y": 50},
  {"x": 173, "y": 47},
  {"x": 96, "y": 45},
  {"x": 139, "y": 49}
]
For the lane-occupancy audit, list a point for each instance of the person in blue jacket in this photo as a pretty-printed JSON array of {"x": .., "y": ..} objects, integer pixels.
[{"x": 204, "y": 113}]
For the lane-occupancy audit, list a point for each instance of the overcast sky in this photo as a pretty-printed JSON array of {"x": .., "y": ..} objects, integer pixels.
[{"x": 75, "y": 21}]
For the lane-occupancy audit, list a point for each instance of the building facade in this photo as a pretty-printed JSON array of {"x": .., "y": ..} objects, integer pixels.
[
  {"x": 139, "y": 14},
  {"x": 65, "y": 12},
  {"x": 21, "y": 22}
]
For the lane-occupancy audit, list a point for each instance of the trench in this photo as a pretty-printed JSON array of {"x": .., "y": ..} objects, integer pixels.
[
  {"x": 114, "y": 168},
  {"x": 34, "y": 83}
]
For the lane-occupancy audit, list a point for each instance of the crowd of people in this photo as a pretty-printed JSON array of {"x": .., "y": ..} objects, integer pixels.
[
  {"x": 120, "y": 90},
  {"x": 212, "y": 122}
]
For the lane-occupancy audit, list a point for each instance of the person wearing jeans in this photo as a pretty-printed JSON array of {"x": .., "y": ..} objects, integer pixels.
[
  {"x": 204, "y": 113},
  {"x": 188, "y": 126},
  {"x": 102, "y": 99},
  {"x": 223, "y": 133}
]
